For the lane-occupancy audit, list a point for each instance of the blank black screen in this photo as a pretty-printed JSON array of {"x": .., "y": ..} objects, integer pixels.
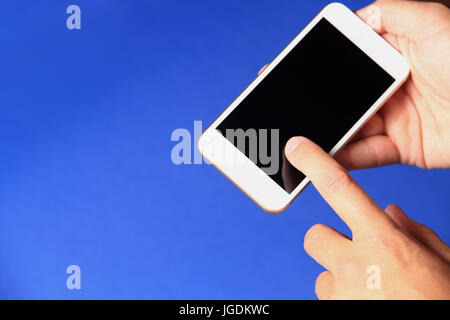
[{"x": 319, "y": 90}]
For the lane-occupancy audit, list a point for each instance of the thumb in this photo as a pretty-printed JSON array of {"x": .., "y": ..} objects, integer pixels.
[
  {"x": 421, "y": 233},
  {"x": 411, "y": 19}
]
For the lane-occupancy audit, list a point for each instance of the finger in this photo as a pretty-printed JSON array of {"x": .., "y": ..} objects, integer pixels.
[
  {"x": 392, "y": 39},
  {"x": 325, "y": 245},
  {"x": 373, "y": 127},
  {"x": 420, "y": 232},
  {"x": 337, "y": 187},
  {"x": 324, "y": 285},
  {"x": 404, "y": 18},
  {"x": 370, "y": 152},
  {"x": 262, "y": 69}
]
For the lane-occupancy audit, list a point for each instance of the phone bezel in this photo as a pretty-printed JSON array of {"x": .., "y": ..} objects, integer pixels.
[{"x": 241, "y": 170}]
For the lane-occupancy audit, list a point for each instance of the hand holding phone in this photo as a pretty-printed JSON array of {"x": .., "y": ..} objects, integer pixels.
[
  {"x": 328, "y": 82},
  {"x": 413, "y": 127}
]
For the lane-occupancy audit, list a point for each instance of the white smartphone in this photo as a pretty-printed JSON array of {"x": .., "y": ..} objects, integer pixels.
[{"x": 325, "y": 85}]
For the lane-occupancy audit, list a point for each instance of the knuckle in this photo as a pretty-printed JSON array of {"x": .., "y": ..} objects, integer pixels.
[
  {"x": 338, "y": 181},
  {"x": 375, "y": 154},
  {"x": 400, "y": 246}
]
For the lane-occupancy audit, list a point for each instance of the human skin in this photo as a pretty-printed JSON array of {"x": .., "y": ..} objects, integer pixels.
[
  {"x": 412, "y": 262},
  {"x": 412, "y": 128}
]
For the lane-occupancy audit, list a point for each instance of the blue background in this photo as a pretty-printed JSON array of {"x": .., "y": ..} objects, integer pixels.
[{"x": 86, "y": 176}]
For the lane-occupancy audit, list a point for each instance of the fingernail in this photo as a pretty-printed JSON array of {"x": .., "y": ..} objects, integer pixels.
[{"x": 292, "y": 144}]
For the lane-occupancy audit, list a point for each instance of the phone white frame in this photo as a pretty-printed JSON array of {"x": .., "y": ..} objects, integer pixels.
[{"x": 248, "y": 176}]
